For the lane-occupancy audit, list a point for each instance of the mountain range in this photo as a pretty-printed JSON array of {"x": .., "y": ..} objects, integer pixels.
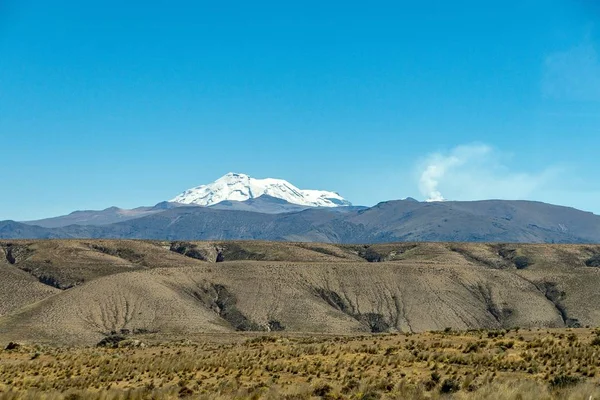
[{"x": 237, "y": 206}]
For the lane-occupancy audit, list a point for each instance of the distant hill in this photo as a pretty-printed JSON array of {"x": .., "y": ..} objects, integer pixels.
[
  {"x": 263, "y": 204},
  {"x": 400, "y": 220},
  {"x": 18, "y": 230},
  {"x": 478, "y": 221},
  {"x": 102, "y": 217}
]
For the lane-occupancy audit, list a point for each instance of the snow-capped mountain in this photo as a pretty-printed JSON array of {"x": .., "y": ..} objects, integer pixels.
[{"x": 240, "y": 187}]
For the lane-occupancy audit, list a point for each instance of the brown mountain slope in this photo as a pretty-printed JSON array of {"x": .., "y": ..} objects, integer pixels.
[
  {"x": 177, "y": 288},
  {"x": 18, "y": 288}
]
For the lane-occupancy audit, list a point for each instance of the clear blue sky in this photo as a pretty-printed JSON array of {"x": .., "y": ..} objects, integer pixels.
[{"x": 128, "y": 103}]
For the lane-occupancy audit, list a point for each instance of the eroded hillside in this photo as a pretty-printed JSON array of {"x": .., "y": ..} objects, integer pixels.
[{"x": 78, "y": 291}]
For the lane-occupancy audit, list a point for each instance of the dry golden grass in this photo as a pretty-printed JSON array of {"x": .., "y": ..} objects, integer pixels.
[{"x": 515, "y": 364}]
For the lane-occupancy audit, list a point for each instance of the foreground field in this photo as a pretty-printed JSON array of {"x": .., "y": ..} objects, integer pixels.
[{"x": 499, "y": 364}]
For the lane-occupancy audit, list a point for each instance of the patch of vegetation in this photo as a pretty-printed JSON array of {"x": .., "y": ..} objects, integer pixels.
[
  {"x": 499, "y": 313},
  {"x": 275, "y": 326},
  {"x": 335, "y": 300},
  {"x": 52, "y": 281},
  {"x": 506, "y": 252},
  {"x": 188, "y": 250},
  {"x": 15, "y": 253},
  {"x": 514, "y": 256},
  {"x": 262, "y": 339},
  {"x": 549, "y": 364},
  {"x": 556, "y": 296},
  {"x": 322, "y": 390},
  {"x": 121, "y": 252},
  {"x": 521, "y": 262},
  {"x": 226, "y": 303},
  {"x": 12, "y": 346},
  {"x": 370, "y": 255},
  {"x": 111, "y": 341},
  {"x": 470, "y": 256},
  {"x": 234, "y": 251},
  {"x": 593, "y": 261},
  {"x": 450, "y": 386},
  {"x": 319, "y": 249},
  {"x": 475, "y": 347},
  {"x": 375, "y": 322},
  {"x": 564, "y": 381}
]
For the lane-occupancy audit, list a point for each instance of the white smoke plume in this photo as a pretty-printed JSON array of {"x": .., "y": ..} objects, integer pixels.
[
  {"x": 438, "y": 165},
  {"x": 482, "y": 172}
]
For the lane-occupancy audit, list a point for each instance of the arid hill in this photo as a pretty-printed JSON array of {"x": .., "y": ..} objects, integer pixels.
[{"x": 79, "y": 291}]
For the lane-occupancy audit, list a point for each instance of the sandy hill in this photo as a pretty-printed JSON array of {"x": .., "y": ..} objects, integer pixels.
[{"x": 78, "y": 291}]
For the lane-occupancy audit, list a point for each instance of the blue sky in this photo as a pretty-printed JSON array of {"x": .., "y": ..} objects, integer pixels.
[{"x": 129, "y": 103}]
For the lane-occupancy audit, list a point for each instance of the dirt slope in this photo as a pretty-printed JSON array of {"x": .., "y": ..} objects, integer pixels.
[
  {"x": 18, "y": 288},
  {"x": 175, "y": 288}
]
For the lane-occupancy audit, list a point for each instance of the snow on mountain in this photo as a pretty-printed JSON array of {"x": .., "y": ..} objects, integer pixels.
[{"x": 240, "y": 187}]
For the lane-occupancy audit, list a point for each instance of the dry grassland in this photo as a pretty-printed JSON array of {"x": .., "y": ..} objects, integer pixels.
[{"x": 500, "y": 364}]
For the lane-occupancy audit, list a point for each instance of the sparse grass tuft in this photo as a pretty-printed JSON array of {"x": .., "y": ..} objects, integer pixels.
[{"x": 548, "y": 364}]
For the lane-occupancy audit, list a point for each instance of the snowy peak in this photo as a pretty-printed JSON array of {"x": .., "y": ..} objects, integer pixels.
[{"x": 241, "y": 187}]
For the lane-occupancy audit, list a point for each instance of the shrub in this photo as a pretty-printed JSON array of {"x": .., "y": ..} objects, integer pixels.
[
  {"x": 563, "y": 381},
  {"x": 12, "y": 346},
  {"x": 471, "y": 348},
  {"x": 275, "y": 326},
  {"x": 371, "y": 255},
  {"x": 370, "y": 395},
  {"x": 521, "y": 262},
  {"x": 262, "y": 339},
  {"x": 430, "y": 385},
  {"x": 506, "y": 345},
  {"x": 450, "y": 386},
  {"x": 350, "y": 386},
  {"x": 322, "y": 390},
  {"x": 185, "y": 392},
  {"x": 111, "y": 341},
  {"x": 594, "y": 261}
]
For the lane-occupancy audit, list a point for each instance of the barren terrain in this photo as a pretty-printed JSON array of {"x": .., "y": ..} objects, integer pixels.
[{"x": 76, "y": 292}]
